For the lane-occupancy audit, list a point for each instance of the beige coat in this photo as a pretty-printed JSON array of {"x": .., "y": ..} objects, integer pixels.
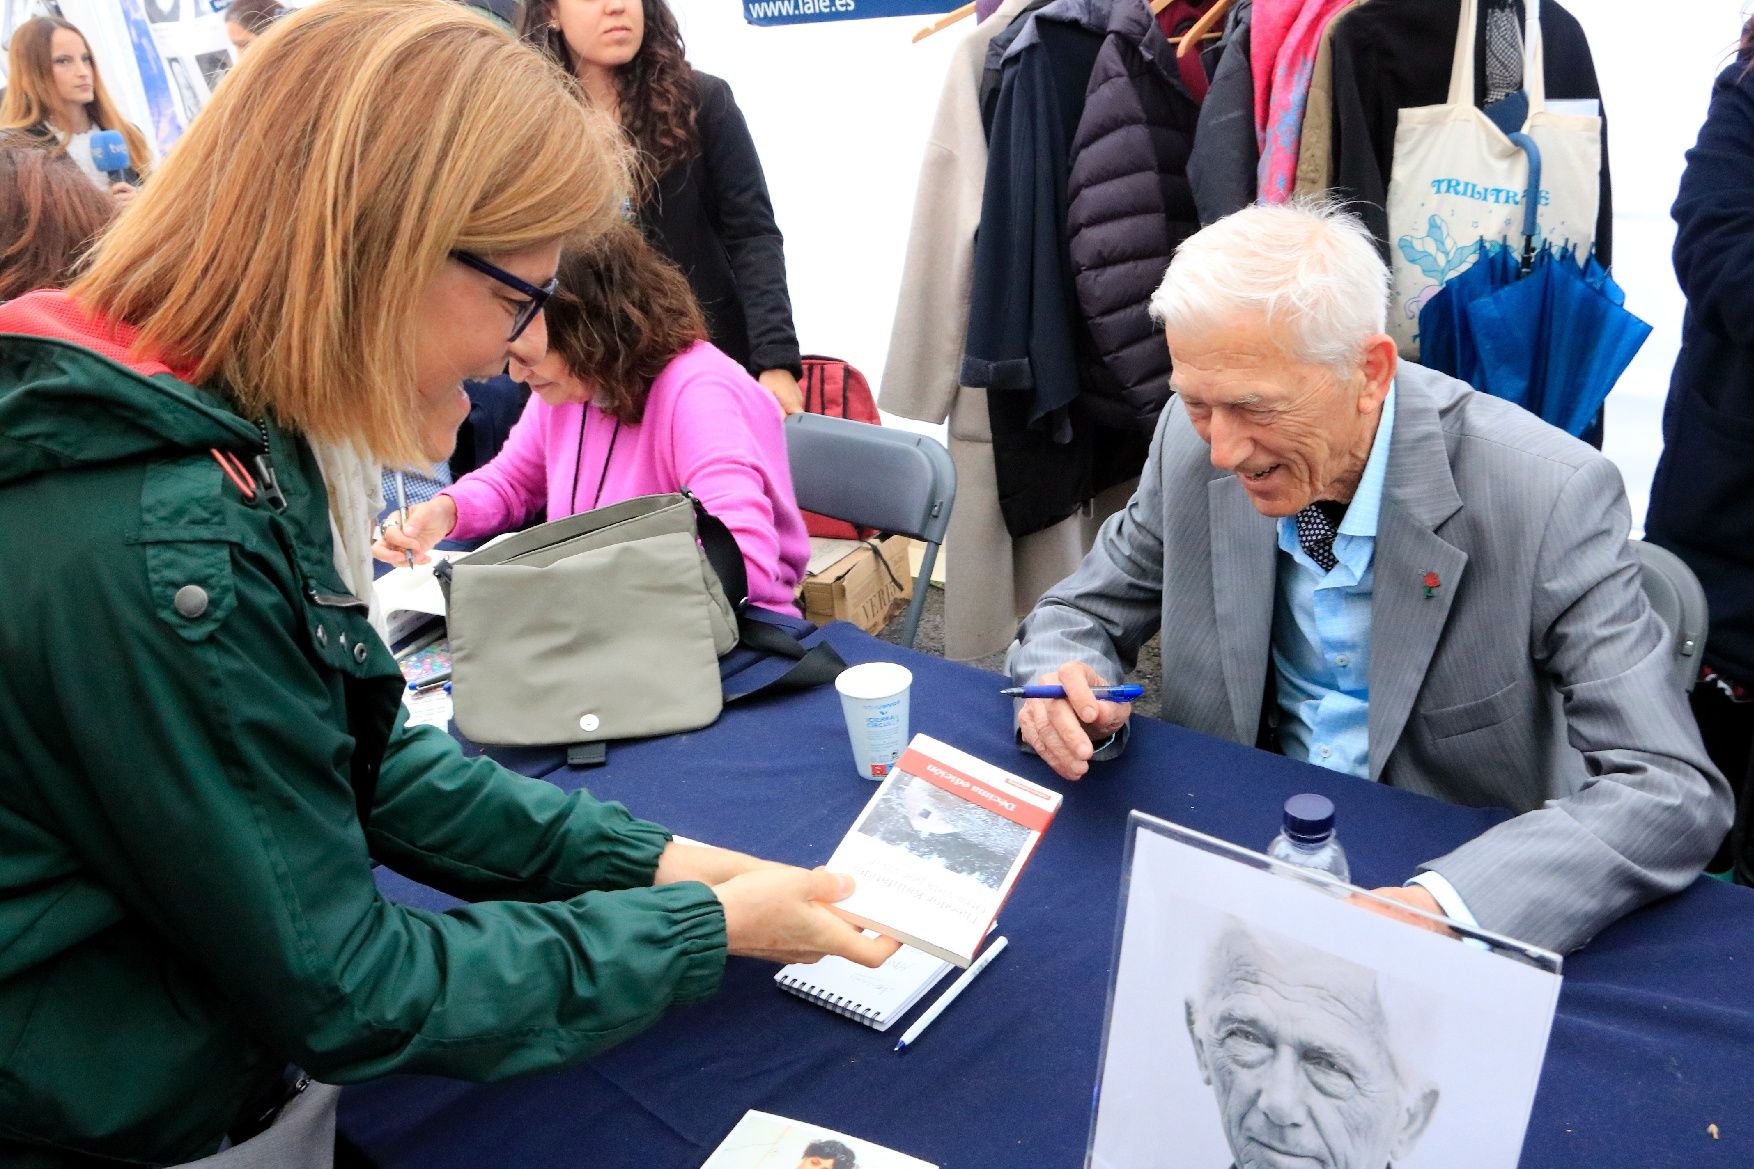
[
  {"x": 1315, "y": 150},
  {"x": 992, "y": 580}
]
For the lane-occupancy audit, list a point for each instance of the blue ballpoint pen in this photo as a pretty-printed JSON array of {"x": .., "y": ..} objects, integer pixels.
[{"x": 1127, "y": 693}]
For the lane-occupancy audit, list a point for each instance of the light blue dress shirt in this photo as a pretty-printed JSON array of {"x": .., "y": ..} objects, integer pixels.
[
  {"x": 1321, "y": 628},
  {"x": 1321, "y": 643}
]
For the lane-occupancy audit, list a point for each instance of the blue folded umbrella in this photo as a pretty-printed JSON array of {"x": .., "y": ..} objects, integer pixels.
[
  {"x": 1446, "y": 341},
  {"x": 1556, "y": 341}
]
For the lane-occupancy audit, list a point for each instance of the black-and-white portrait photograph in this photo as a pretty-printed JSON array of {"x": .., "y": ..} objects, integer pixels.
[
  {"x": 1261, "y": 1022},
  {"x": 945, "y": 828}
]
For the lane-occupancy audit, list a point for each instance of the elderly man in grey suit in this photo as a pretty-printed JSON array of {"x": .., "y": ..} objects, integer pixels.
[{"x": 1369, "y": 566}]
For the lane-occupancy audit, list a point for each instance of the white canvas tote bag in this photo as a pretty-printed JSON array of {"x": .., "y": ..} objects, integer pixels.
[{"x": 1457, "y": 179}]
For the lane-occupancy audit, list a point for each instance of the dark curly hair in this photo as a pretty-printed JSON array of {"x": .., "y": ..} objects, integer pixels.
[
  {"x": 621, "y": 314},
  {"x": 656, "y": 88},
  {"x": 843, "y": 1157}
]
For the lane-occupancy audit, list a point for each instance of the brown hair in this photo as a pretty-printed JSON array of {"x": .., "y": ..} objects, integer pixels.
[
  {"x": 1745, "y": 50},
  {"x": 622, "y": 313},
  {"x": 30, "y": 88},
  {"x": 254, "y": 16},
  {"x": 656, "y": 88},
  {"x": 49, "y": 211},
  {"x": 284, "y": 247}
]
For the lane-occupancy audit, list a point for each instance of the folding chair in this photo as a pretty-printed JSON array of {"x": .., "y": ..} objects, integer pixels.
[
  {"x": 875, "y": 477},
  {"x": 1675, "y": 593}
]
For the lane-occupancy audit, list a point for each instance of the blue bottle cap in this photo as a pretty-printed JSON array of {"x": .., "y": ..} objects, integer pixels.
[{"x": 1309, "y": 818}]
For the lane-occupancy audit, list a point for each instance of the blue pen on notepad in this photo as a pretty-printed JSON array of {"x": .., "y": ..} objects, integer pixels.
[{"x": 1127, "y": 693}]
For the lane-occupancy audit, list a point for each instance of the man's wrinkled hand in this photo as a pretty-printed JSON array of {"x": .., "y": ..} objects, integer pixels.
[{"x": 1063, "y": 730}]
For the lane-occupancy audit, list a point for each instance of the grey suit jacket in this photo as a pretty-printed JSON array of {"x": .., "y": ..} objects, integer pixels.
[{"x": 1535, "y": 678}]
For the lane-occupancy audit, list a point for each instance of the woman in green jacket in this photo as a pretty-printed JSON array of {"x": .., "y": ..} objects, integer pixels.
[{"x": 205, "y": 750}]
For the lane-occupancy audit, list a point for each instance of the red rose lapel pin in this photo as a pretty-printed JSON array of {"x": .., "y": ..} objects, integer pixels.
[{"x": 1431, "y": 585}]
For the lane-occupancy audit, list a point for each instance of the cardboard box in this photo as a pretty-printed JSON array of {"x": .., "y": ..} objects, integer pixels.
[{"x": 856, "y": 585}]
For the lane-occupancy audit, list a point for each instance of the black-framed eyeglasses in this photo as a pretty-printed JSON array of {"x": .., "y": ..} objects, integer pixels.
[{"x": 528, "y": 310}]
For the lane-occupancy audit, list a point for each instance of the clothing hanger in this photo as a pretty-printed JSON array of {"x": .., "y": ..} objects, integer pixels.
[
  {"x": 1203, "y": 29},
  {"x": 944, "y": 22}
]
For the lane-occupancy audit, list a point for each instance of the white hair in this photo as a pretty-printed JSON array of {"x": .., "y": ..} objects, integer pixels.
[{"x": 1308, "y": 268}]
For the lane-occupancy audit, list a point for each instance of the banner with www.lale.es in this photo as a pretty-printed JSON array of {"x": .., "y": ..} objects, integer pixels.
[{"x": 809, "y": 11}]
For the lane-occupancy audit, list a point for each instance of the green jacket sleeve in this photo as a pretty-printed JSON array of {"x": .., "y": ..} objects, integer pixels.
[
  {"x": 478, "y": 831},
  {"x": 216, "y": 803}
]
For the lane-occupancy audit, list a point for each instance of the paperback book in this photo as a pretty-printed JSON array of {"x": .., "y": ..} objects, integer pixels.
[{"x": 939, "y": 847}]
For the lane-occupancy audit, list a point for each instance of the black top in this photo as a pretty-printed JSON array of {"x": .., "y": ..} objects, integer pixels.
[
  {"x": 713, "y": 217},
  {"x": 1702, "y": 500}
]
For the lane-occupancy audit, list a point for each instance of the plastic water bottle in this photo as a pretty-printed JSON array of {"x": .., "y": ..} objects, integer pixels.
[{"x": 1308, "y": 840}]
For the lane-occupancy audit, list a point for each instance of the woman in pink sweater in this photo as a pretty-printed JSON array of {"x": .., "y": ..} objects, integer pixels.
[{"x": 628, "y": 399}]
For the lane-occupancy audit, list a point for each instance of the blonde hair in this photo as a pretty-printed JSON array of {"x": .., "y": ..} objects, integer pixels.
[
  {"x": 30, "y": 88},
  {"x": 284, "y": 247}
]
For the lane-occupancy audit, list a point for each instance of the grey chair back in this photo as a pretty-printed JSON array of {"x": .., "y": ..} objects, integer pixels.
[
  {"x": 1675, "y": 593},
  {"x": 876, "y": 477}
]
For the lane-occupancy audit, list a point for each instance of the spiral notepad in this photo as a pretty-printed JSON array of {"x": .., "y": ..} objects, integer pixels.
[{"x": 876, "y": 998}]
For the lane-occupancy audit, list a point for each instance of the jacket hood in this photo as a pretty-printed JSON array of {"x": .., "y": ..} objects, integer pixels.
[{"x": 72, "y": 394}]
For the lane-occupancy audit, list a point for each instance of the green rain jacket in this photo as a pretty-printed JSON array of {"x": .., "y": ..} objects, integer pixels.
[{"x": 204, "y": 753}]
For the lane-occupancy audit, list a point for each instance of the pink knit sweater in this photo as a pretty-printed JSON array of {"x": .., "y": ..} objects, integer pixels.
[{"x": 708, "y": 426}]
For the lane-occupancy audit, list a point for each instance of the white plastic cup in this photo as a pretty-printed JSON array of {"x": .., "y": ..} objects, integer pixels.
[{"x": 873, "y": 696}]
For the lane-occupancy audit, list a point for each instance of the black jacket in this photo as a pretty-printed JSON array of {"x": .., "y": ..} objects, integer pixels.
[
  {"x": 1396, "y": 55},
  {"x": 1225, "y": 158},
  {"x": 992, "y": 71},
  {"x": 1130, "y": 207},
  {"x": 1027, "y": 344},
  {"x": 712, "y": 215},
  {"x": 1024, "y": 326},
  {"x": 1702, "y": 499}
]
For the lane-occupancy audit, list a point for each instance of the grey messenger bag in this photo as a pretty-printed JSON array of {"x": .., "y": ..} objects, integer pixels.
[{"x": 606, "y": 625}]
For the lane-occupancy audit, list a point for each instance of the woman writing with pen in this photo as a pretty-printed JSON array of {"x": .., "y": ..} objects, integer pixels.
[
  {"x": 628, "y": 398},
  {"x": 192, "y": 929}
]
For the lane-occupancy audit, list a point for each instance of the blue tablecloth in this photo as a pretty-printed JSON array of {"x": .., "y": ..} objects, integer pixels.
[{"x": 1653, "y": 1043}]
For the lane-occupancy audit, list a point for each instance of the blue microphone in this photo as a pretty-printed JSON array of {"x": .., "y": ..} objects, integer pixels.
[{"x": 109, "y": 152}]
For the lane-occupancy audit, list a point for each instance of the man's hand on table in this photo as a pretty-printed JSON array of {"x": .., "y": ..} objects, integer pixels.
[
  {"x": 784, "y": 914},
  {"x": 1414, "y": 895},
  {"x": 1061, "y": 730}
]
